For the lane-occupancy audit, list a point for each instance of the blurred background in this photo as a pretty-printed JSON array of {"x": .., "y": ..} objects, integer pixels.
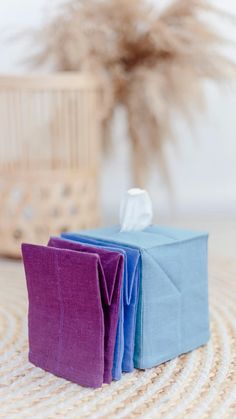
[{"x": 202, "y": 164}]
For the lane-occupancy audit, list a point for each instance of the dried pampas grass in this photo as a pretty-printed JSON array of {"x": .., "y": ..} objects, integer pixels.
[{"x": 151, "y": 62}]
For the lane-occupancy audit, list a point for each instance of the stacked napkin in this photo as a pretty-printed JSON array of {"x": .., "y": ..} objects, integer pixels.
[
  {"x": 104, "y": 301},
  {"x": 74, "y": 302}
]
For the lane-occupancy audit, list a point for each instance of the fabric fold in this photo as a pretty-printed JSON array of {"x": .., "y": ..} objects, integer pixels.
[
  {"x": 123, "y": 360},
  {"x": 74, "y": 299},
  {"x": 66, "y": 328},
  {"x": 111, "y": 268}
]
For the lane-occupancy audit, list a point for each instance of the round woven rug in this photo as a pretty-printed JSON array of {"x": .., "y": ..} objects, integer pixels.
[{"x": 201, "y": 384}]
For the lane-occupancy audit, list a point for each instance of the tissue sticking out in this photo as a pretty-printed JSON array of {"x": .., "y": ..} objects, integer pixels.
[{"x": 135, "y": 210}]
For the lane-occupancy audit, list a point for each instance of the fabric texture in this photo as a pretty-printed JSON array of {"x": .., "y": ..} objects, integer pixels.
[
  {"x": 112, "y": 279},
  {"x": 124, "y": 349},
  {"x": 119, "y": 342},
  {"x": 172, "y": 313},
  {"x": 74, "y": 298}
]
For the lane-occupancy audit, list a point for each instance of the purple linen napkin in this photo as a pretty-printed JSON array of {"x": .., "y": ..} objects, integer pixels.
[
  {"x": 68, "y": 298},
  {"x": 112, "y": 263}
]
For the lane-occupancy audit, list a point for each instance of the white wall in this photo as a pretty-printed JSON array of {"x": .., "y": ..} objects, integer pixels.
[{"x": 204, "y": 172}]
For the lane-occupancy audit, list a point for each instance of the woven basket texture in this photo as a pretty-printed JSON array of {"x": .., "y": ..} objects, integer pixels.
[{"x": 49, "y": 157}]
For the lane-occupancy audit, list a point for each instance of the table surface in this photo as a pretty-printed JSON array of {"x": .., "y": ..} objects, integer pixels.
[{"x": 199, "y": 384}]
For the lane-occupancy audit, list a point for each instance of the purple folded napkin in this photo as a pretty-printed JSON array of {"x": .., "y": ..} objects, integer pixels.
[
  {"x": 73, "y": 310},
  {"x": 112, "y": 276}
]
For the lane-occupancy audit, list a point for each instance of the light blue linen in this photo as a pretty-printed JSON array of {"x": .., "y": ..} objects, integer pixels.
[{"x": 172, "y": 313}]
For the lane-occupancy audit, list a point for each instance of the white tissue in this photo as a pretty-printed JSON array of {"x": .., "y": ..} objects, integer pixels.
[{"x": 135, "y": 210}]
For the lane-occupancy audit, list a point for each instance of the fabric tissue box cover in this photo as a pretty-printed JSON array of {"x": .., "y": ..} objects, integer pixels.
[
  {"x": 74, "y": 299},
  {"x": 104, "y": 301},
  {"x": 172, "y": 313}
]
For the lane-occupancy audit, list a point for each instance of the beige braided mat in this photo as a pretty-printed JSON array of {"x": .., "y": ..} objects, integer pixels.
[{"x": 200, "y": 384}]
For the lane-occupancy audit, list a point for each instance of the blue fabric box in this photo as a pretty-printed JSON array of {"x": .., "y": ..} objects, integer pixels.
[{"x": 172, "y": 313}]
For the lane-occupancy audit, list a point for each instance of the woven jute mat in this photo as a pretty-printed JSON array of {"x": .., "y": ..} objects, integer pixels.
[{"x": 201, "y": 384}]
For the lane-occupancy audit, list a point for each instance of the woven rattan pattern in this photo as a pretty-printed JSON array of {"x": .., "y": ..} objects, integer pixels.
[{"x": 37, "y": 205}]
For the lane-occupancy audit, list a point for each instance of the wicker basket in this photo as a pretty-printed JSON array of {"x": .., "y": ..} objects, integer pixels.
[{"x": 49, "y": 157}]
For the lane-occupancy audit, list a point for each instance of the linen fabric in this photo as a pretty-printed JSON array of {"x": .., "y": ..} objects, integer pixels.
[
  {"x": 112, "y": 285},
  {"x": 172, "y": 313},
  {"x": 119, "y": 341},
  {"x": 124, "y": 349},
  {"x": 74, "y": 299}
]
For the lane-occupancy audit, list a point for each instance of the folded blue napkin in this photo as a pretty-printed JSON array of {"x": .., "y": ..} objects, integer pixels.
[{"x": 125, "y": 339}]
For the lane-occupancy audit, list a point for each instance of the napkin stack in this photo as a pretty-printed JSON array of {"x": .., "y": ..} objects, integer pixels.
[{"x": 106, "y": 301}]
